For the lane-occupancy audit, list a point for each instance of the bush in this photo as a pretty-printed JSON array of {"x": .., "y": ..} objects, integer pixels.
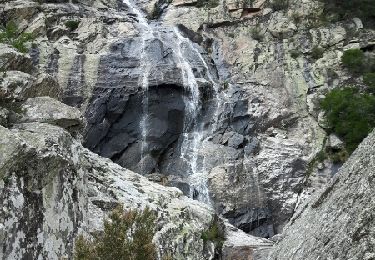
[
  {"x": 350, "y": 114},
  {"x": 207, "y": 3},
  {"x": 369, "y": 80},
  {"x": 354, "y": 60},
  {"x": 256, "y": 34},
  {"x": 345, "y": 9},
  {"x": 72, "y": 25},
  {"x": 317, "y": 53},
  {"x": 338, "y": 156},
  {"x": 214, "y": 233},
  {"x": 278, "y": 5},
  {"x": 127, "y": 235},
  {"x": 295, "y": 54},
  {"x": 11, "y": 35}
]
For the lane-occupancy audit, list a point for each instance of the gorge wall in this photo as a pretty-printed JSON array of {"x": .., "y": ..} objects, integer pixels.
[
  {"x": 209, "y": 100},
  {"x": 338, "y": 222}
]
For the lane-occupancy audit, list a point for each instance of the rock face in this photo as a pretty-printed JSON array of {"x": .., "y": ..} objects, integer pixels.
[
  {"x": 52, "y": 189},
  {"x": 221, "y": 101},
  {"x": 42, "y": 190},
  {"x": 338, "y": 222}
]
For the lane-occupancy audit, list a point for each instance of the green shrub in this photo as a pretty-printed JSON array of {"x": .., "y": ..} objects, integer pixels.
[
  {"x": 214, "y": 233},
  {"x": 317, "y": 53},
  {"x": 338, "y": 156},
  {"x": 354, "y": 60},
  {"x": 350, "y": 114},
  {"x": 256, "y": 34},
  {"x": 369, "y": 80},
  {"x": 296, "y": 17},
  {"x": 295, "y": 54},
  {"x": 278, "y": 5},
  {"x": 11, "y": 35},
  {"x": 346, "y": 9},
  {"x": 127, "y": 235},
  {"x": 207, "y": 3},
  {"x": 72, "y": 25}
]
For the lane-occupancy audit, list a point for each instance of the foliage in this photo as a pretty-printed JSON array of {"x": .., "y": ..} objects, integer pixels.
[
  {"x": 354, "y": 60},
  {"x": 207, "y": 3},
  {"x": 11, "y": 35},
  {"x": 369, "y": 80},
  {"x": 127, "y": 235},
  {"x": 317, "y": 53},
  {"x": 338, "y": 156},
  {"x": 345, "y": 9},
  {"x": 72, "y": 25},
  {"x": 256, "y": 34},
  {"x": 350, "y": 114},
  {"x": 295, "y": 54},
  {"x": 296, "y": 17},
  {"x": 278, "y": 5},
  {"x": 214, "y": 233}
]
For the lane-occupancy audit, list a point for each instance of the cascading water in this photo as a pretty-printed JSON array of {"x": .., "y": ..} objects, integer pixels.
[{"x": 193, "y": 132}]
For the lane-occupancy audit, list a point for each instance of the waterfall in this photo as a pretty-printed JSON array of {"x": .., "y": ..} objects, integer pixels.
[{"x": 193, "y": 132}]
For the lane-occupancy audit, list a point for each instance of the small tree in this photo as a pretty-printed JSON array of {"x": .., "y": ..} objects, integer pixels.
[{"x": 127, "y": 235}]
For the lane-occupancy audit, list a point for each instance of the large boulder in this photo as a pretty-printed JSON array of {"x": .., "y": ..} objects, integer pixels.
[
  {"x": 11, "y": 59},
  {"x": 41, "y": 190},
  {"x": 49, "y": 110},
  {"x": 18, "y": 86}
]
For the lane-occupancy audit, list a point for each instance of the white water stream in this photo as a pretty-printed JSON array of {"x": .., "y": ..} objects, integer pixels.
[{"x": 192, "y": 137}]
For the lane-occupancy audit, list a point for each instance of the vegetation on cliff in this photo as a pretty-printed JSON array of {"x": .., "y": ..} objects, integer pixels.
[
  {"x": 10, "y": 34},
  {"x": 345, "y": 9},
  {"x": 350, "y": 111},
  {"x": 127, "y": 235},
  {"x": 214, "y": 234},
  {"x": 351, "y": 114}
]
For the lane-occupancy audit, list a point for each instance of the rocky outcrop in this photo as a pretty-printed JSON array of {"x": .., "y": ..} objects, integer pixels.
[
  {"x": 223, "y": 106},
  {"x": 52, "y": 189},
  {"x": 42, "y": 191},
  {"x": 11, "y": 59},
  {"x": 49, "y": 110},
  {"x": 337, "y": 222}
]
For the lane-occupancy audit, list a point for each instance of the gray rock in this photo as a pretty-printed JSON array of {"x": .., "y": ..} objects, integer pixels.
[
  {"x": 240, "y": 246},
  {"x": 52, "y": 189},
  {"x": 4, "y": 115},
  {"x": 334, "y": 142},
  {"x": 41, "y": 192},
  {"x": 336, "y": 222},
  {"x": 48, "y": 110},
  {"x": 14, "y": 86},
  {"x": 11, "y": 59}
]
